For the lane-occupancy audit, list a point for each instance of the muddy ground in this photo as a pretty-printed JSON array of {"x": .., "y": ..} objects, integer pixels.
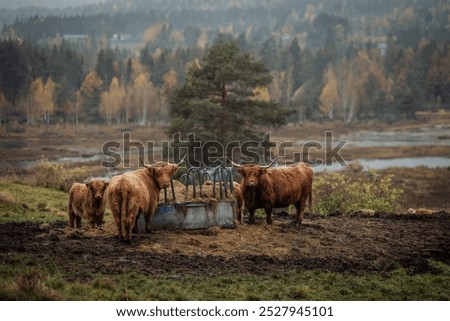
[{"x": 355, "y": 243}]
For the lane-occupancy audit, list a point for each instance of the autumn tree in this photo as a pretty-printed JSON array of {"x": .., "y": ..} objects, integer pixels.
[
  {"x": 89, "y": 98},
  {"x": 142, "y": 100},
  {"x": 31, "y": 103},
  {"x": 39, "y": 103},
  {"x": 169, "y": 83},
  {"x": 218, "y": 103},
  {"x": 329, "y": 97},
  {"x": 48, "y": 103},
  {"x": 112, "y": 102}
]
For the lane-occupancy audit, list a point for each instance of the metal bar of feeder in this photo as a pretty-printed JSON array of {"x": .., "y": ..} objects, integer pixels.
[
  {"x": 218, "y": 170},
  {"x": 173, "y": 189},
  {"x": 231, "y": 180},
  {"x": 188, "y": 176},
  {"x": 203, "y": 177}
]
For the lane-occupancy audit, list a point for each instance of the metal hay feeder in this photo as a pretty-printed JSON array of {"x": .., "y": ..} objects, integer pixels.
[{"x": 200, "y": 212}]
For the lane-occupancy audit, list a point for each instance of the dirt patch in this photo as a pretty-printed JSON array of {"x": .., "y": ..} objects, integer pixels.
[{"x": 353, "y": 243}]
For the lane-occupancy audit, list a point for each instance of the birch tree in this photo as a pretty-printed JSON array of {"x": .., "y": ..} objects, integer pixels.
[
  {"x": 329, "y": 97},
  {"x": 112, "y": 102}
]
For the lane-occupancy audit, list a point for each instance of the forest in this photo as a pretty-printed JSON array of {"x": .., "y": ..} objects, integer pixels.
[{"x": 119, "y": 61}]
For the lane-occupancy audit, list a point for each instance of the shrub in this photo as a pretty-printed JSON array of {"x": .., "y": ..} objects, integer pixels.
[
  {"x": 78, "y": 174},
  {"x": 53, "y": 175},
  {"x": 337, "y": 193}
]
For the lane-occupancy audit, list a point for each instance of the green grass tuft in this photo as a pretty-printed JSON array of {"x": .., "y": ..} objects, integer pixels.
[{"x": 36, "y": 204}]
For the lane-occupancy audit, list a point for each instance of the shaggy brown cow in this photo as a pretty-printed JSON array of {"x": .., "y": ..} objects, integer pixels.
[
  {"x": 136, "y": 193},
  {"x": 268, "y": 188},
  {"x": 86, "y": 200}
]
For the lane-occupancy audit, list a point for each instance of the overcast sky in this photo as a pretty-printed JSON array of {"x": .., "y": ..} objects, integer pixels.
[{"x": 45, "y": 3}]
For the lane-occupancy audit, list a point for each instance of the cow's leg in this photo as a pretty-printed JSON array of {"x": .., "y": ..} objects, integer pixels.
[
  {"x": 99, "y": 219},
  {"x": 92, "y": 220},
  {"x": 251, "y": 219},
  {"x": 78, "y": 221},
  {"x": 134, "y": 229},
  {"x": 148, "y": 223},
  {"x": 300, "y": 207},
  {"x": 240, "y": 215},
  {"x": 129, "y": 223},
  {"x": 268, "y": 210},
  {"x": 118, "y": 222},
  {"x": 128, "y": 232},
  {"x": 71, "y": 217},
  {"x": 128, "y": 228}
]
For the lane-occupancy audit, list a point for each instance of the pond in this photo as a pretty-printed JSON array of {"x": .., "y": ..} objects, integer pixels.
[{"x": 437, "y": 135}]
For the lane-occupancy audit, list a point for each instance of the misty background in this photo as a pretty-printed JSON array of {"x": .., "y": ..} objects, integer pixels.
[{"x": 118, "y": 61}]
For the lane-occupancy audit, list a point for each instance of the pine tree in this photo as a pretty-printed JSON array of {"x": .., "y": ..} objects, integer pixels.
[{"x": 218, "y": 101}]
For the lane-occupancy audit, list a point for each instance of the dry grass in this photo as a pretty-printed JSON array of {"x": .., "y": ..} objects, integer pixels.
[
  {"x": 32, "y": 287},
  {"x": 6, "y": 198}
]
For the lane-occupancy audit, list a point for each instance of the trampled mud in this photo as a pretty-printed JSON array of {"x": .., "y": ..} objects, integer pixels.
[{"x": 342, "y": 243}]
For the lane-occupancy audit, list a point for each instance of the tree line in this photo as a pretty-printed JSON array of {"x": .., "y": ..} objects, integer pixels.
[{"x": 322, "y": 65}]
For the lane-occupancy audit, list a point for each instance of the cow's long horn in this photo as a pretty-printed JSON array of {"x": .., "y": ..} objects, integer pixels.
[
  {"x": 273, "y": 162},
  {"x": 234, "y": 164},
  {"x": 182, "y": 160},
  {"x": 142, "y": 162}
]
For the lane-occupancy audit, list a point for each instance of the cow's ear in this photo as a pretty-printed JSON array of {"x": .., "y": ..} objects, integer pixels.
[
  {"x": 262, "y": 170},
  {"x": 150, "y": 169},
  {"x": 106, "y": 184},
  {"x": 88, "y": 185},
  {"x": 174, "y": 169},
  {"x": 240, "y": 170}
]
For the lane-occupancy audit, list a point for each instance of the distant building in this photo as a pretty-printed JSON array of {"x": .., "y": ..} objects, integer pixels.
[
  {"x": 382, "y": 46},
  {"x": 74, "y": 37},
  {"x": 119, "y": 37}
]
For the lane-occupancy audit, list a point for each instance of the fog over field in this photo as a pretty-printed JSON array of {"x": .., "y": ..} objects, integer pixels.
[{"x": 46, "y": 3}]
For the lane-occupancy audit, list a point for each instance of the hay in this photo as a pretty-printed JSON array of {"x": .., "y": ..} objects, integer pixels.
[
  {"x": 421, "y": 211},
  {"x": 205, "y": 196}
]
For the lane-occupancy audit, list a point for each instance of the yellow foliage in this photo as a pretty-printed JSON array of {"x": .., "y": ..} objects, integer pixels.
[
  {"x": 152, "y": 32},
  {"x": 41, "y": 99},
  {"x": 261, "y": 93},
  {"x": 329, "y": 98},
  {"x": 112, "y": 101}
]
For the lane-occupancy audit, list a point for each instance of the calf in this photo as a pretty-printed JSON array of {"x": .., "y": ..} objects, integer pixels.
[{"x": 86, "y": 200}]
